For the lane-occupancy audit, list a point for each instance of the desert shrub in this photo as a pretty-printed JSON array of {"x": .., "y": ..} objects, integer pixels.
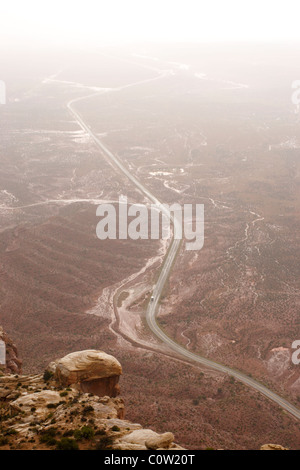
[
  {"x": 67, "y": 443},
  {"x": 115, "y": 428},
  {"x": 86, "y": 432},
  {"x": 47, "y": 375},
  {"x": 51, "y": 442},
  {"x": 11, "y": 432},
  {"x": 68, "y": 433},
  {"x": 63, "y": 394},
  {"x": 87, "y": 409},
  {"x": 105, "y": 443},
  {"x": 48, "y": 436}
]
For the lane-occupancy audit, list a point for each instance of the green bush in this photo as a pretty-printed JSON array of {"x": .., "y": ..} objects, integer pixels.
[
  {"x": 47, "y": 375},
  {"x": 87, "y": 409},
  {"x": 48, "y": 437},
  {"x": 86, "y": 432},
  {"x": 51, "y": 442},
  {"x": 68, "y": 433},
  {"x": 67, "y": 443},
  {"x": 10, "y": 432},
  {"x": 105, "y": 443},
  {"x": 116, "y": 428}
]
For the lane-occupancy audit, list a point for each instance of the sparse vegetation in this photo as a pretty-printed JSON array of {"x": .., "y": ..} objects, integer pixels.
[
  {"x": 116, "y": 429},
  {"x": 47, "y": 375},
  {"x": 48, "y": 437},
  {"x": 86, "y": 432},
  {"x": 67, "y": 443},
  {"x": 105, "y": 443}
]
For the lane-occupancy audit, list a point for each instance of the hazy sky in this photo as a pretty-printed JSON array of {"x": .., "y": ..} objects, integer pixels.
[{"x": 95, "y": 21}]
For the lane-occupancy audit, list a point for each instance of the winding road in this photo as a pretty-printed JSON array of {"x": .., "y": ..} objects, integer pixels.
[{"x": 166, "y": 269}]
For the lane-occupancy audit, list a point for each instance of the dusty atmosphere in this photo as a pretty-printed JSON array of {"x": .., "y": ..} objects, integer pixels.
[{"x": 192, "y": 129}]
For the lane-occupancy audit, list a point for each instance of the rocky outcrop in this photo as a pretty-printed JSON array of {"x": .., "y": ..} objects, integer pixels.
[
  {"x": 143, "y": 439},
  {"x": 53, "y": 411},
  {"x": 92, "y": 370},
  {"x": 160, "y": 441},
  {"x": 273, "y": 447},
  {"x": 13, "y": 362}
]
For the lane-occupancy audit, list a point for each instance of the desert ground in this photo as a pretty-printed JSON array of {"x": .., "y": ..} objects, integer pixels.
[{"x": 193, "y": 128}]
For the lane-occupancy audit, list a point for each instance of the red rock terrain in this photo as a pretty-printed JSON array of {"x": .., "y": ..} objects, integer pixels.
[
  {"x": 236, "y": 301},
  {"x": 37, "y": 412}
]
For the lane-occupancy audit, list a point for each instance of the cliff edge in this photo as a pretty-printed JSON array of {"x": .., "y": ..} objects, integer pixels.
[{"x": 73, "y": 405}]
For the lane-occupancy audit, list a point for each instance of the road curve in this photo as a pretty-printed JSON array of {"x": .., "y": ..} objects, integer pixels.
[{"x": 163, "y": 277}]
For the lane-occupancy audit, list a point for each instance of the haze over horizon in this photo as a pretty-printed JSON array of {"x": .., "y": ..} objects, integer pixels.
[
  {"x": 98, "y": 22},
  {"x": 149, "y": 225}
]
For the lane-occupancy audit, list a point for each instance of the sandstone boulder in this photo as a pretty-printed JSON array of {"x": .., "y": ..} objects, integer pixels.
[
  {"x": 147, "y": 439},
  {"x": 162, "y": 441},
  {"x": 33, "y": 403},
  {"x": 272, "y": 447},
  {"x": 95, "y": 371}
]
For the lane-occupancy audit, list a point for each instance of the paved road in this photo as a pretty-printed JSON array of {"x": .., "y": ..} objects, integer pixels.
[{"x": 163, "y": 277}]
